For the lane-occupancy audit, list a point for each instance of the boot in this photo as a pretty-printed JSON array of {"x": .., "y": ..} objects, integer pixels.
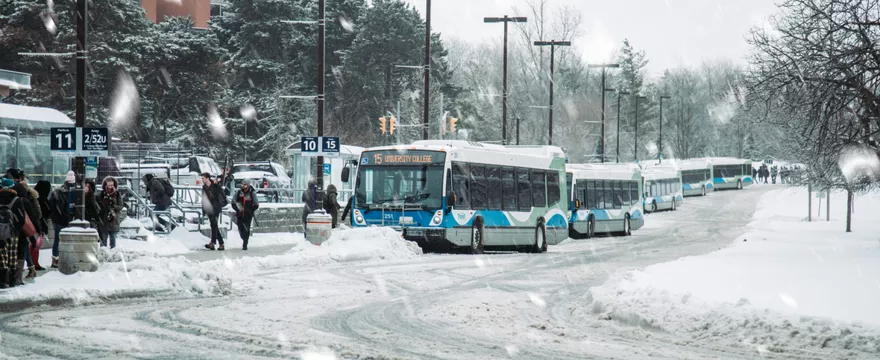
[
  {"x": 32, "y": 273},
  {"x": 3, "y": 278},
  {"x": 244, "y": 245},
  {"x": 19, "y": 273},
  {"x": 221, "y": 248},
  {"x": 35, "y": 254},
  {"x": 10, "y": 276},
  {"x": 54, "y": 262},
  {"x": 209, "y": 246}
]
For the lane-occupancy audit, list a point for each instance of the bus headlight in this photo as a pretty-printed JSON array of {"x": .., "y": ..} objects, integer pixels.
[
  {"x": 438, "y": 218},
  {"x": 358, "y": 218}
]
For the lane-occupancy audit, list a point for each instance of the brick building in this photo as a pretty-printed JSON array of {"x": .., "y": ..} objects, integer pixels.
[{"x": 199, "y": 10}]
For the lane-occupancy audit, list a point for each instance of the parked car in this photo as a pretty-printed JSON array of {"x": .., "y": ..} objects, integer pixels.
[
  {"x": 186, "y": 170},
  {"x": 267, "y": 177}
]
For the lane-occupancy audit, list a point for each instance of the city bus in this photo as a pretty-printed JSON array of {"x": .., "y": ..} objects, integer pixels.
[
  {"x": 662, "y": 188},
  {"x": 446, "y": 194},
  {"x": 605, "y": 198},
  {"x": 696, "y": 177},
  {"x": 731, "y": 173}
]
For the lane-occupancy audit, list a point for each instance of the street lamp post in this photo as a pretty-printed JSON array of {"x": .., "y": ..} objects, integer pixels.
[
  {"x": 552, "y": 44},
  {"x": 636, "y": 137},
  {"x": 660, "y": 145},
  {"x": 619, "y": 93},
  {"x": 603, "y": 66},
  {"x": 505, "y": 19},
  {"x": 427, "y": 69}
]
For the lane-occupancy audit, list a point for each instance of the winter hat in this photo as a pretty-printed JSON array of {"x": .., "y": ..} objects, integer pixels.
[
  {"x": 71, "y": 177},
  {"x": 7, "y": 183}
]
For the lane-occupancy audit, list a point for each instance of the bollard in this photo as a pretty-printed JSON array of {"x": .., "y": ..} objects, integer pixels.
[
  {"x": 78, "y": 249},
  {"x": 319, "y": 226}
]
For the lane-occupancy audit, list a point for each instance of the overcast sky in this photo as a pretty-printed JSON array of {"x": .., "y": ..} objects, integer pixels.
[{"x": 672, "y": 32}]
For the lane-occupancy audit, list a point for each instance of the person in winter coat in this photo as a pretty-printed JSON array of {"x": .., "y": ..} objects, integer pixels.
[
  {"x": 245, "y": 203},
  {"x": 44, "y": 189},
  {"x": 308, "y": 199},
  {"x": 61, "y": 203},
  {"x": 29, "y": 199},
  {"x": 773, "y": 172},
  {"x": 156, "y": 189},
  {"x": 330, "y": 205},
  {"x": 111, "y": 211},
  {"x": 11, "y": 221},
  {"x": 213, "y": 201},
  {"x": 93, "y": 210}
]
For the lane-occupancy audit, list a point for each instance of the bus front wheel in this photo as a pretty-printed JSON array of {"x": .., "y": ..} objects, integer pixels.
[
  {"x": 704, "y": 191},
  {"x": 673, "y": 204},
  {"x": 739, "y": 184},
  {"x": 477, "y": 238},
  {"x": 653, "y": 206}
]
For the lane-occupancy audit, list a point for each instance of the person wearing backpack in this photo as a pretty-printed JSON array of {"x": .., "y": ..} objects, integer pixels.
[
  {"x": 61, "y": 202},
  {"x": 11, "y": 221},
  {"x": 213, "y": 201},
  {"x": 160, "y": 192},
  {"x": 330, "y": 205},
  {"x": 28, "y": 198},
  {"x": 245, "y": 203}
]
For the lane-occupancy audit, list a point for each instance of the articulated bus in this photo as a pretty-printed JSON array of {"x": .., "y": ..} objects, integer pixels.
[
  {"x": 731, "y": 173},
  {"x": 605, "y": 198},
  {"x": 696, "y": 177},
  {"x": 456, "y": 194},
  {"x": 662, "y": 188}
]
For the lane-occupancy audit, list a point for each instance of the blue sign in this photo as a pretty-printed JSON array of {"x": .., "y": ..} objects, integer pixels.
[
  {"x": 330, "y": 146},
  {"x": 95, "y": 142},
  {"x": 63, "y": 141},
  {"x": 309, "y": 145},
  {"x": 327, "y": 169}
]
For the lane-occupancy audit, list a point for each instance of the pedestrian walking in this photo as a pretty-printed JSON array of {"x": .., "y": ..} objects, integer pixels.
[
  {"x": 61, "y": 203},
  {"x": 29, "y": 200},
  {"x": 213, "y": 201},
  {"x": 111, "y": 211},
  {"x": 245, "y": 204},
  {"x": 308, "y": 199},
  {"x": 331, "y": 206},
  {"x": 160, "y": 192},
  {"x": 773, "y": 172},
  {"x": 44, "y": 189},
  {"x": 12, "y": 217}
]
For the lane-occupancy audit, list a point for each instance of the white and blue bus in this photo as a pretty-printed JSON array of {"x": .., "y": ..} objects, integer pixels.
[
  {"x": 605, "y": 198},
  {"x": 662, "y": 188},
  {"x": 731, "y": 173},
  {"x": 456, "y": 194},
  {"x": 696, "y": 177}
]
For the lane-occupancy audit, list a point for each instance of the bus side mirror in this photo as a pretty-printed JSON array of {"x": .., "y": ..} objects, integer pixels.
[
  {"x": 450, "y": 201},
  {"x": 345, "y": 174}
]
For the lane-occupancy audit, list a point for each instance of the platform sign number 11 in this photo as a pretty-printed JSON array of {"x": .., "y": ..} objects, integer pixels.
[{"x": 62, "y": 141}]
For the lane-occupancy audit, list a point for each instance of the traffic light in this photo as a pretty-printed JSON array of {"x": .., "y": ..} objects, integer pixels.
[
  {"x": 382, "y": 124},
  {"x": 452, "y": 122},
  {"x": 392, "y": 125}
]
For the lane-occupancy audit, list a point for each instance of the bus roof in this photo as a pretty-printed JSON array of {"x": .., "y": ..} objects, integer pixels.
[
  {"x": 603, "y": 171},
  {"x": 660, "y": 173},
  {"x": 694, "y": 164},
  {"x": 727, "y": 161}
]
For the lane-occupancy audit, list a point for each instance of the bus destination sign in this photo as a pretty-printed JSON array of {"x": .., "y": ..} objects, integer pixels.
[{"x": 409, "y": 157}]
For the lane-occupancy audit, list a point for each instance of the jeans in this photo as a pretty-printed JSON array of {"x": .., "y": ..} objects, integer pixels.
[
  {"x": 215, "y": 230},
  {"x": 108, "y": 235},
  {"x": 244, "y": 227},
  {"x": 56, "y": 239}
]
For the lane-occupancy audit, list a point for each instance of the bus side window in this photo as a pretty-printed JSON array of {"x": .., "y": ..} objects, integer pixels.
[
  {"x": 460, "y": 186},
  {"x": 633, "y": 192},
  {"x": 493, "y": 176},
  {"x": 478, "y": 187},
  {"x": 539, "y": 189},
  {"x": 553, "y": 189},
  {"x": 508, "y": 189},
  {"x": 523, "y": 189}
]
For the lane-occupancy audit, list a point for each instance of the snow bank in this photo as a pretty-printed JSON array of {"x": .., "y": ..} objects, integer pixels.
[
  {"x": 784, "y": 283},
  {"x": 123, "y": 274},
  {"x": 194, "y": 240},
  {"x": 345, "y": 245}
]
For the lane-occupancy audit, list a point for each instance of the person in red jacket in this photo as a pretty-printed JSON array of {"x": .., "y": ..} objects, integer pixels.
[{"x": 245, "y": 203}]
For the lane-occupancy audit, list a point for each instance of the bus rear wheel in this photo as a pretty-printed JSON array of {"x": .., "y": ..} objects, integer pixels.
[
  {"x": 673, "y": 204},
  {"x": 704, "y": 191},
  {"x": 540, "y": 239},
  {"x": 653, "y": 206},
  {"x": 591, "y": 227},
  {"x": 739, "y": 184},
  {"x": 627, "y": 226}
]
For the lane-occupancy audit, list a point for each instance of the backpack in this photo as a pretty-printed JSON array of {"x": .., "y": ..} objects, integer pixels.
[
  {"x": 169, "y": 189},
  {"x": 8, "y": 221},
  {"x": 328, "y": 204}
]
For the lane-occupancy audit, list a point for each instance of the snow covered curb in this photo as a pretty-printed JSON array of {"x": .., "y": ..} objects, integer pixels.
[{"x": 785, "y": 285}]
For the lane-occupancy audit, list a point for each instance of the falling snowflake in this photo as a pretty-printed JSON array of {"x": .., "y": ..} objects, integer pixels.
[
  {"x": 49, "y": 22},
  {"x": 512, "y": 350},
  {"x": 346, "y": 23},
  {"x": 537, "y": 300},
  {"x": 218, "y": 128},
  {"x": 248, "y": 112},
  {"x": 788, "y": 300},
  {"x": 859, "y": 163},
  {"x": 318, "y": 354},
  {"x": 126, "y": 102}
]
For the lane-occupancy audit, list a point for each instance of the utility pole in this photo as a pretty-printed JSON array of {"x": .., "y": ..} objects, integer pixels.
[
  {"x": 619, "y": 93},
  {"x": 603, "y": 66},
  {"x": 505, "y": 19},
  {"x": 636, "y": 137},
  {"x": 82, "y": 30},
  {"x": 319, "y": 177},
  {"x": 517, "y": 130},
  {"x": 552, "y": 44},
  {"x": 427, "y": 70},
  {"x": 660, "y": 148}
]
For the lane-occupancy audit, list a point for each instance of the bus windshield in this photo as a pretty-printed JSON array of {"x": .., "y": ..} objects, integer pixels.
[{"x": 396, "y": 185}]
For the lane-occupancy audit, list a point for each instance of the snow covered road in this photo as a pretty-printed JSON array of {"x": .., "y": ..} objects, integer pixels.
[{"x": 495, "y": 306}]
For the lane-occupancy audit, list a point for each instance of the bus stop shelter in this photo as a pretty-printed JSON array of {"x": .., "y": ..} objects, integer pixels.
[{"x": 24, "y": 141}]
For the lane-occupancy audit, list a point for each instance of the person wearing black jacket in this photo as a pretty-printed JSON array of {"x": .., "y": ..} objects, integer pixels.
[
  {"x": 93, "y": 210},
  {"x": 43, "y": 188},
  {"x": 111, "y": 211},
  {"x": 308, "y": 199},
  {"x": 28, "y": 198},
  {"x": 9, "y": 247},
  {"x": 245, "y": 203},
  {"x": 330, "y": 205},
  {"x": 213, "y": 201}
]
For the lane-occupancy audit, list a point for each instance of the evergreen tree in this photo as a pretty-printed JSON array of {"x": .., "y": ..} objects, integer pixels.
[{"x": 632, "y": 78}]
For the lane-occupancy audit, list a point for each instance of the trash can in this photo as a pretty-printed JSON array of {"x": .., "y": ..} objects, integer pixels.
[
  {"x": 319, "y": 226},
  {"x": 78, "y": 249}
]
